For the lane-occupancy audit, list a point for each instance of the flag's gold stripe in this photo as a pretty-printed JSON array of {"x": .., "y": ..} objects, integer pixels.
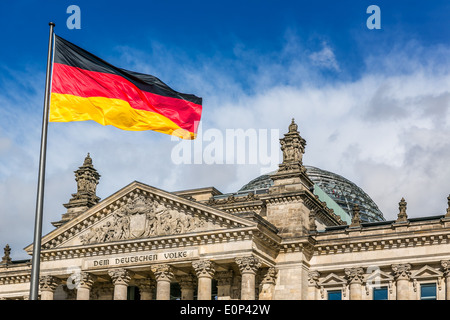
[{"x": 115, "y": 112}]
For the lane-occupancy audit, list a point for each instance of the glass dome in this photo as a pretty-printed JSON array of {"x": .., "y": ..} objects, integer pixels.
[{"x": 341, "y": 190}]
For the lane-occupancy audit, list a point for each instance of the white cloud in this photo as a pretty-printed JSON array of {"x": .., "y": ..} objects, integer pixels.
[{"x": 325, "y": 58}]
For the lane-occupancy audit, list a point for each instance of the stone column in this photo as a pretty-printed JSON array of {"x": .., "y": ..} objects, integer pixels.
[
  {"x": 187, "y": 285},
  {"x": 402, "y": 273},
  {"x": 248, "y": 266},
  {"x": 205, "y": 270},
  {"x": 446, "y": 268},
  {"x": 120, "y": 278},
  {"x": 268, "y": 284},
  {"x": 48, "y": 284},
  {"x": 85, "y": 285},
  {"x": 146, "y": 287},
  {"x": 224, "y": 282},
  {"x": 355, "y": 279},
  {"x": 163, "y": 275}
]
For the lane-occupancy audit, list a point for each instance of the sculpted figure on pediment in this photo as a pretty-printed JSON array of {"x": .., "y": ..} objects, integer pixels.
[{"x": 143, "y": 217}]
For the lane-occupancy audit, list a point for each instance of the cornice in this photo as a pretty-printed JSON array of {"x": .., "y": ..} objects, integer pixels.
[
  {"x": 276, "y": 198},
  {"x": 159, "y": 243},
  {"x": 380, "y": 242},
  {"x": 241, "y": 207},
  {"x": 304, "y": 244},
  {"x": 24, "y": 277}
]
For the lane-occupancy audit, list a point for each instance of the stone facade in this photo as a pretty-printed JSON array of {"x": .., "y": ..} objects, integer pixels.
[{"x": 284, "y": 244}]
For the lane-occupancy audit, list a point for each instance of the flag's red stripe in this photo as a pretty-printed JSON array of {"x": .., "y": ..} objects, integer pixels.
[{"x": 83, "y": 83}]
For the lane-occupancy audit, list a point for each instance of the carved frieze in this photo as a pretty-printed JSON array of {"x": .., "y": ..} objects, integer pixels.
[
  {"x": 232, "y": 199},
  {"x": 142, "y": 217}
]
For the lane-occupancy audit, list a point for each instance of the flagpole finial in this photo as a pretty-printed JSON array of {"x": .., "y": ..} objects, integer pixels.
[{"x": 51, "y": 24}]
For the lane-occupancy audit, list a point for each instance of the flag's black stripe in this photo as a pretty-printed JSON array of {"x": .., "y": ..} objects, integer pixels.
[{"x": 69, "y": 54}]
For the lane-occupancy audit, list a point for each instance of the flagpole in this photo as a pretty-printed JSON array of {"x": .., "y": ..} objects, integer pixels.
[{"x": 35, "y": 266}]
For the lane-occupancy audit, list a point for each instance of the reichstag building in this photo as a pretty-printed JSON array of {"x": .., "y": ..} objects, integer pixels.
[{"x": 298, "y": 233}]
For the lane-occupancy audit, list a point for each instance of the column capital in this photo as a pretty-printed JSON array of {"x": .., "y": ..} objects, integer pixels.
[
  {"x": 269, "y": 276},
  {"x": 445, "y": 264},
  {"x": 120, "y": 276},
  {"x": 48, "y": 283},
  {"x": 248, "y": 264},
  {"x": 354, "y": 275},
  {"x": 86, "y": 280},
  {"x": 313, "y": 278},
  {"x": 204, "y": 268},
  {"x": 163, "y": 272},
  {"x": 401, "y": 271}
]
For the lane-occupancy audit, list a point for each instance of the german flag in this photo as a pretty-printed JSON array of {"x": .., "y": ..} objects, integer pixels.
[{"x": 85, "y": 87}]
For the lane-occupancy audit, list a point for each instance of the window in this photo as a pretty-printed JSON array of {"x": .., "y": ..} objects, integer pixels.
[
  {"x": 133, "y": 293},
  {"x": 334, "y": 295},
  {"x": 380, "y": 293},
  {"x": 175, "y": 291},
  {"x": 428, "y": 291}
]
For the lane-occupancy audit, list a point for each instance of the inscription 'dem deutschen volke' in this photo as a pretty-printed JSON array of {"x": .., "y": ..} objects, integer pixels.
[{"x": 140, "y": 258}]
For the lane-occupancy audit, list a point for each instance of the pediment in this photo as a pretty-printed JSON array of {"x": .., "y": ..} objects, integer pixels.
[
  {"x": 331, "y": 280},
  {"x": 378, "y": 276},
  {"x": 426, "y": 272},
  {"x": 139, "y": 211}
]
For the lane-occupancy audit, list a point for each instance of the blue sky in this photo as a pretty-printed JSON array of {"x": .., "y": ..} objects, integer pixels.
[
  {"x": 373, "y": 105},
  {"x": 214, "y": 28}
]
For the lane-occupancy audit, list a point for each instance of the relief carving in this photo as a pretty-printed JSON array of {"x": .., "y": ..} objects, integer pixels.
[
  {"x": 142, "y": 217},
  {"x": 402, "y": 271}
]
